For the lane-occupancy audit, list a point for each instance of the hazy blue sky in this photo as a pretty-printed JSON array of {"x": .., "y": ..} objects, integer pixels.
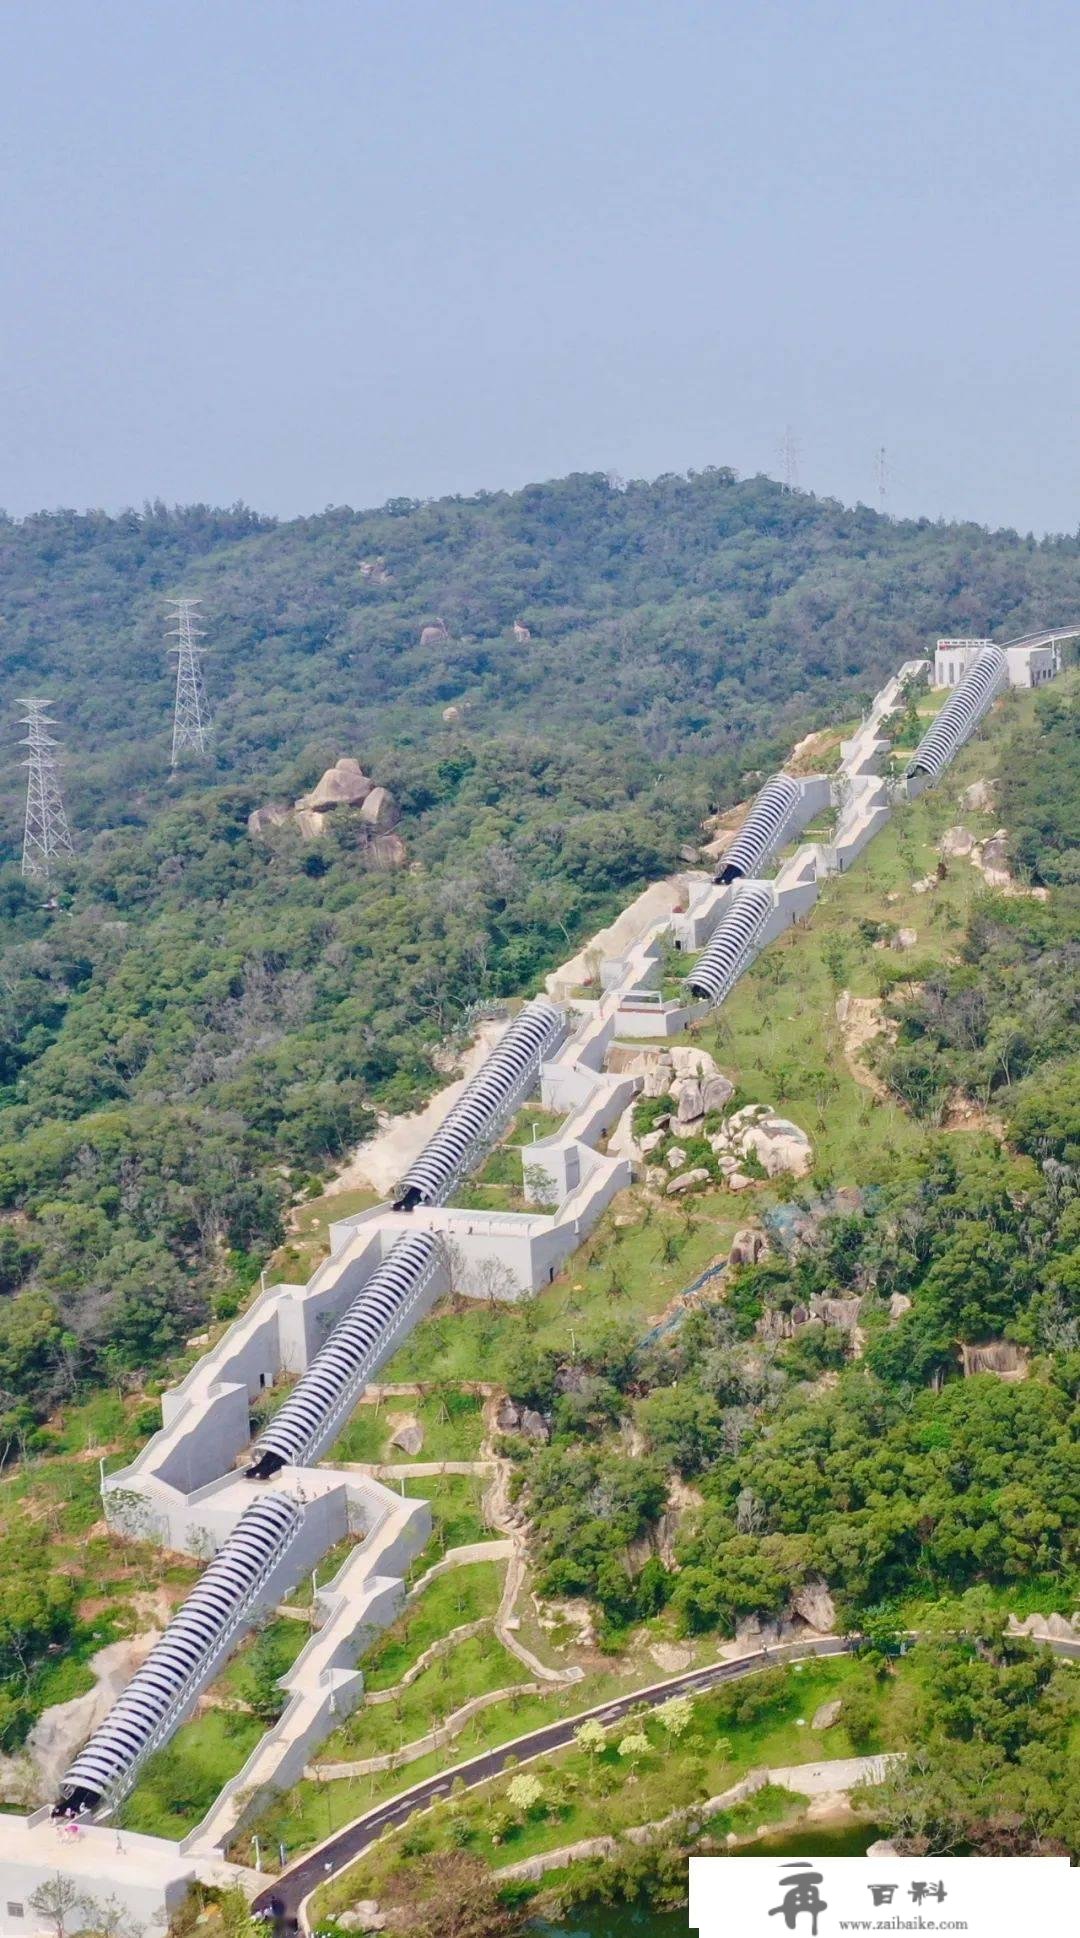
[{"x": 324, "y": 251}]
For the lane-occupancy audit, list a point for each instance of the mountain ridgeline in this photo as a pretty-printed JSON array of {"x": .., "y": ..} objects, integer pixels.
[{"x": 193, "y": 1023}]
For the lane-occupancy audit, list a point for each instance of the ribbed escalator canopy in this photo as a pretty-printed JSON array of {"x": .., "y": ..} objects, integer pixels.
[
  {"x": 718, "y": 967},
  {"x": 532, "y": 1035},
  {"x": 176, "y": 1665},
  {"x": 762, "y": 831},
  {"x": 961, "y": 714}
]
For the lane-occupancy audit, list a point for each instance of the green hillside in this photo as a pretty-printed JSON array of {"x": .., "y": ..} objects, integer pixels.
[{"x": 199, "y": 1022}]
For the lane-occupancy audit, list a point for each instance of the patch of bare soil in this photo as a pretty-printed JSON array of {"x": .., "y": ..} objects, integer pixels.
[
  {"x": 861, "y": 1020},
  {"x": 962, "y": 1113}
]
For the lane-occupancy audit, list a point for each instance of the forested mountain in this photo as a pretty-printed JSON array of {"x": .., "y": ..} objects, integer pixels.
[{"x": 200, "y": 1019}]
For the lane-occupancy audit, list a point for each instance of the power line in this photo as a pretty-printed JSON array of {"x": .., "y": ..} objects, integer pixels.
[
  {"x": 45, "y": 831},
  {"x": 191, "y": 714}
]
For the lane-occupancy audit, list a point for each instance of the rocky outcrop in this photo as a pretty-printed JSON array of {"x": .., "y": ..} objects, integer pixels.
[
  {"x": 344, "y": 786},
  {"x": 813, "y": 1604},
  {"x": 979, "y": 797},
  {"x": 747, "y": 1247},
  {"x": 777, "y": 1144},
  {"x": 998, "y": 1356},
  {"x": 265, "y": 818},
  {"x": 380, "y": 810},
  {"x": 957, "y": 842}
]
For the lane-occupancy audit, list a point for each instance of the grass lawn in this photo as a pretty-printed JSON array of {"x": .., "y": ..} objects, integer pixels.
[
  {"x": 333, "y": 1559},
  {"x": 636, "y": 1262},
  {"x": 763, "y": 1721},
  {"x": 498, "y": 1185},
  {"x": 267, "y": 1654},
  {"x": 311, "y": 1810},
  {"x": 462, "y": 1595},
  {"x": 776, "y": 1036},
  {"x": 308, "y": 1242},
  {"x": 472, "y": 1667},
  {"x": 51, "y": 1501},
  {"x": 457, "y": 1521},
  {"x": 452, "y": 1423},
  {"x": 179, "y": 1784}
]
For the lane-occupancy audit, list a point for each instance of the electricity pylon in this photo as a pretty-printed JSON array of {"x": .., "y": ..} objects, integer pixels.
[
  {"x": 45, "y": 831},
  {"x": 789, "y": 459},
  {"x": 191, "y": 714}
]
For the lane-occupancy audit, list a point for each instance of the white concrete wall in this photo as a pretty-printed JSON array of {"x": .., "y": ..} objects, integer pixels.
[
  {"x": 1031, "y": 665},
  {"x": 146, "y": 1875}
]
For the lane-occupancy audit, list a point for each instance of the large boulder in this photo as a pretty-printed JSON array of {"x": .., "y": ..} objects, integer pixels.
[
  {"x": 687, "y": 1093},
  {"x": 535, "y": 1427},
  {"x": 814, "y": 1604},
  {"x": 345, "y": 784},
  {"x": 409, "y": 1438},
  {"x": 433, "y": 635},
  {"x": 264, "y": 818},
  {"x": 387, "y": 851},
  {"x": 716, "y": 1091},
  {"x": 691, "y": 1062},
  {"x": 994, "y": 859},
  {"x": 658, "y": 1077},
  {"x": 650, "y": 1141},
  {"x": 747, "y": 1247},
  {"x": 687, "y": 1181},
  {"x": 380, "y": 810},
  {"x": 364, "y": 1916},
  {"x": 779, "y": 1146},
  {"x": 979, "y": 797},
  {"x": 957, "y": 841},
  {"x": 676, "y": 1158},
  {"x": 827, "y": 1714},
  {"x": 843, "y": 1313}
]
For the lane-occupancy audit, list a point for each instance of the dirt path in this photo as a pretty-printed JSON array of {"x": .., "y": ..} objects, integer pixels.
[
  {"x": 861, "y": 1019},
  {"x": 654, "y": 902},
  {"x": 381, "y": 1160}
]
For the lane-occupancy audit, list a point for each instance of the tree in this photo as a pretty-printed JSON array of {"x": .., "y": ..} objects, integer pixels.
[
  {"x": 57, "y": 1901},
  {"x": 524, "y": 1792},
  {"x": 450, "y": 1894},
  {"x": 675, "y": 1716},
  {"x": 591, "y": 1735}
]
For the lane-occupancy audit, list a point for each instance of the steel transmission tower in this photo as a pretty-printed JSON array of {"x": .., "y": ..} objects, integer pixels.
[
  {"x": 789, "y": 459},
  {"x": 45, "y": 832},
  {"x": 191, "y": 715},
  {"x": 881, "y": 476}
]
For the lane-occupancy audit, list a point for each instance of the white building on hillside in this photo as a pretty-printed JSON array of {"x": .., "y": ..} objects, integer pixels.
[{"x": 1031, "y": 661}]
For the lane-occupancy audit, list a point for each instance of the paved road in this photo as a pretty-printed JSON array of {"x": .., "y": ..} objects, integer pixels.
[{"x": 285, "y": 1895}]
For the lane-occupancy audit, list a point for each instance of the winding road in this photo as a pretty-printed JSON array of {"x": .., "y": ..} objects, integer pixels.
[{"x": 284, "y": 1899}]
